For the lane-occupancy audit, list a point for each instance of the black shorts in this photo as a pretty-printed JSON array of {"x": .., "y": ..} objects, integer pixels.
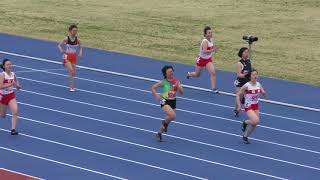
[{"x": 171, "y": 102}]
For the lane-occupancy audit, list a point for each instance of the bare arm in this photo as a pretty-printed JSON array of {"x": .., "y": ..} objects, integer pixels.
[
  {"x": 180, "y": 89},
  {"x": 17, "y": 82},
  {"x": 263, "y": 92},
  {"x": 239, "y": 69},
  {"x": 154, "y": 90},
  {"x": 62, "y": 43},
  {"x": 80, "y": 51}
]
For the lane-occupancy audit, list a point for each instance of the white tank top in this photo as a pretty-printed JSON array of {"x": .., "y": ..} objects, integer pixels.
[
  {"x": 7, "y": 79},
  {"x": 251, "y": 94},
  {"x": 206, "y": 55}
]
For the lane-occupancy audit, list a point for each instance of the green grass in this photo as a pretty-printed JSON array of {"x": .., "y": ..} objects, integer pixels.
[{"x": 288, "y": 30}]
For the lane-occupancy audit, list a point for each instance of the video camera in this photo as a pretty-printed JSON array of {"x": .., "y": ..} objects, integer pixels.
[{"x": 250, "y": 38}]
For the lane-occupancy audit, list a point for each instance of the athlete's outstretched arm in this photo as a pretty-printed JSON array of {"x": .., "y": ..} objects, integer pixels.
[
  {"x": 154, "y": 90},
  {"x": 180, "y": 89},
  {"x": 62, "y": 43}
]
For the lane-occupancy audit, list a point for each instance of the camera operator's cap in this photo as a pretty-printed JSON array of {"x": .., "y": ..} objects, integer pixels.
[{"x": 241, "y": 51}]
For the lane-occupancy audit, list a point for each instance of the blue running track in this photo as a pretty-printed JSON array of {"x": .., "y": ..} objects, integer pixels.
[{"x": 106, "y": 129}]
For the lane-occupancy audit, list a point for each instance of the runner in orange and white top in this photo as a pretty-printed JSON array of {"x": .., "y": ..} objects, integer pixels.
[
  {"x": 72, "y": 44},
  {"x": 251, "y": 91},
  {"x": 204, "y": 59},
  {"x": 8, "y": 79}
]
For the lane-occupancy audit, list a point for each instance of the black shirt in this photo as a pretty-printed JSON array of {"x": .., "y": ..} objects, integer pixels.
[{"x": 246, "y": 69}]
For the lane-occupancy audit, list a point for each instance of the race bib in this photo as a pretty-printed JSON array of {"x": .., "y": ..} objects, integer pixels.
[
  {"x": 247, "y": 104},
  {"x": 162, "y": 102},
  {"x": 254, "y": 98},
  {"x": 65, "y": 56},
  {"x": 171, "y": 94},
  {"x": 198, "y": 60},
  {"x": 236, "y": 82}
]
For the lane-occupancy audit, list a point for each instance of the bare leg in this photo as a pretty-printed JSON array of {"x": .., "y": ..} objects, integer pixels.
[
  {"x": 71, "y": 72},
  {"x": 212, "y": 73},
  {"x": 236, "y": 105},
  {"x": 170, "y": 116},
  {"x": 14, "y": 110},
  {"x": 196, "y": 72},
  {"x": 253, "y": 122},
  {"x": 3, "y": 110}
]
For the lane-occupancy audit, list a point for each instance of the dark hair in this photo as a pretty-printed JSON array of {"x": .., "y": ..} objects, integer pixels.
[
  {"x": 241, "y": 51},
  {"x": 3, "y": 63},
  {"x": 72, "y": 26},
  {"x": 254, "y": 70},
  {"x": 164, "y": 70},
  {"x": 207, "y": 28}
]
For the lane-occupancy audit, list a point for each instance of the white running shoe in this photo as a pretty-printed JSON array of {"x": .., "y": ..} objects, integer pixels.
[{"x": 215, "y": 91}]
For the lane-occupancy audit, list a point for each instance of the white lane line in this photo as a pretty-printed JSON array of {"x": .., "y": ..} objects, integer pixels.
[
  {"x": 107, "y": 155},
  {"x": 184, "y": 98},
  {"x": 33, "y": 71},
  {"x": 152, "y": 148},
  {"x": 61, "y": 163},
  {"x": 151, "y": 117},
  {"x": 185, "y": 139},
  {"x": 153, "y": 132},
  {"x": 187, "y": 111},
  {"x": 154, "y": 80}
]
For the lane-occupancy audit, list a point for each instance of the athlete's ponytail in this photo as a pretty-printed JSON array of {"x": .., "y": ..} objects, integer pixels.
[{"x": 3, "y": 63}]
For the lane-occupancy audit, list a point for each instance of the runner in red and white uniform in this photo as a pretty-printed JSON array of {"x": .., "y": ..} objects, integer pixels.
[
  {"x": 251, "y": 91},
  {"x": 204, "y": 59},
  {"x": 72, "y": 44},
  {"x": 8, "y": 79}
]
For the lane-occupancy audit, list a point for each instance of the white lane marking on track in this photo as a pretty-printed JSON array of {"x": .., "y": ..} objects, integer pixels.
[
  {"x": 144, "y": 146},
  {"x": 185, "y": 139},
  {"x": 154, "y": 80},
  {"x": 151, "y": 117},
  {"x": 184, "y": 98},
  {"x": 58, "y": 162},
  {"x": 187, "y": 111}
]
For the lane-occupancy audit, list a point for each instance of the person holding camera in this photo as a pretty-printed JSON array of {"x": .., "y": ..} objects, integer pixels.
[{"x": 243, "y": 74}]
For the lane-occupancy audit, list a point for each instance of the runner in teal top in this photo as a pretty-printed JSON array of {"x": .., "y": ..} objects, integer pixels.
[{"x": 169, "y": 86}]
